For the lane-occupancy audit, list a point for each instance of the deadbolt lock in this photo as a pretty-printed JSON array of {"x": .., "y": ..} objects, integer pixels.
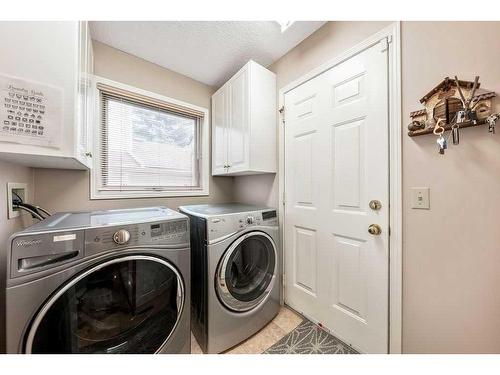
[
  {"x": 375, "y": 205},
  {"x": 374, "y": 229}
]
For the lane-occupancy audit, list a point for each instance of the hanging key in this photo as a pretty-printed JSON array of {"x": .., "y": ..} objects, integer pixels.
[
  {"x": 442, "y": 144},
  {"x": 460, "y": 117},
  {"x": 492, "y": 121},
  {"x": 472, "y": 116},
  {"x": 455, "y": 134}
]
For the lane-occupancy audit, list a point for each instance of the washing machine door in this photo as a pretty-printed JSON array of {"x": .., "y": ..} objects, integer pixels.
[
  {"x": 125, "y": 305},
  {"x": 246, "y": 272}
]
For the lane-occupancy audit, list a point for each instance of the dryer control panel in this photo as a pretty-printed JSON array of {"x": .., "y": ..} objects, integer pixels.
[{"x": 222, "y": 226}]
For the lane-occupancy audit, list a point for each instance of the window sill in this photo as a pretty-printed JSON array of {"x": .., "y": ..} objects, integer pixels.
[{"x": 106, "y": 194}]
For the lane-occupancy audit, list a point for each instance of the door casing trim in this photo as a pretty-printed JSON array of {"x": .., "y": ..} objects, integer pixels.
[{"x": 393, "y": 33}]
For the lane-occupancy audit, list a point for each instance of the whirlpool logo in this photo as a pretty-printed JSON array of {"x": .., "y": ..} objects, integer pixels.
[{"x": 25, "y": 243}]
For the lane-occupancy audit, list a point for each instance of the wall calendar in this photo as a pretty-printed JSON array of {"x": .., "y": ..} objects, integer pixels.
[{"x": 30, "y": 112}]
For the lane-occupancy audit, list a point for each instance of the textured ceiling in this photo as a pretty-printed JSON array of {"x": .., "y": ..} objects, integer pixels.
[{"x": 207, "y": 51}]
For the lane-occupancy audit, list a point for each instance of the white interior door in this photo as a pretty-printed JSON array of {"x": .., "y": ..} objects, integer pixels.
[{"x": 336, "y": 162}]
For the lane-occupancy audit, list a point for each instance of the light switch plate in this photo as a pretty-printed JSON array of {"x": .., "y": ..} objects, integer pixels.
[{"x": 420, "y": 198}]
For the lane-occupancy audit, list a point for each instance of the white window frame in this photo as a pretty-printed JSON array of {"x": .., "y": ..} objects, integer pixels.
[{"x": 95, "y": 173}]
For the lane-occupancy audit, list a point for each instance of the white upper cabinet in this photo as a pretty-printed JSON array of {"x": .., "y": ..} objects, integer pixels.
[
  {"x": 53, "y": 60},
  {"x": 244, "y": 123},
  {"x": 219, "y": 130}
]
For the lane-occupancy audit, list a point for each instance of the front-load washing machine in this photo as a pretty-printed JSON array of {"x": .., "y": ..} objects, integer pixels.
[
  {"x": 100, "y": 282},
  {"x": 235, "y": 268}
]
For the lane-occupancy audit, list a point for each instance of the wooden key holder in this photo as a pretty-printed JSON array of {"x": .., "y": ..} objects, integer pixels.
[{"x": 446, "y": 100}]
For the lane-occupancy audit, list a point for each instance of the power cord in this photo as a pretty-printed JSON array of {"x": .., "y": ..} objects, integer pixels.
[
  {"x": 18, "y": 203},
  {"x": 34, "y": 214},
  {"x": 17, "y": 195}
]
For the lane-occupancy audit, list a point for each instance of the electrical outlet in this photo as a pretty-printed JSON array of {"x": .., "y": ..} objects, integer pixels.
[
  {"x": 420, "y": 198},
  {"x": 13, "y": 188}
]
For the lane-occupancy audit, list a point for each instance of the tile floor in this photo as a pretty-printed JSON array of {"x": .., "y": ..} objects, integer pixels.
[{"x": 284, "y": 323}]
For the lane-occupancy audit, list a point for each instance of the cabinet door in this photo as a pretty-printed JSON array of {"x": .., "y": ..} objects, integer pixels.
[
  {"x": 219, "y": 131},
  {"x": 83, "y": 98},
  {"x": 90, "y": 103},
  {"x": 45, "y": 53},
  {"x": 85, "y": 103},
  {"x": 238, "y": 128}
]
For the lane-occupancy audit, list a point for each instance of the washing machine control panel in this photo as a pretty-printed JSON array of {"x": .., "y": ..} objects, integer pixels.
[
  {"x": 225, "y": 225},
  {"x": 171, "y": 232}
]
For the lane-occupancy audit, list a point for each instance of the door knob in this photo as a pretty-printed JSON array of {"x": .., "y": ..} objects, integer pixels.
[{"x": 374, "y": 229}]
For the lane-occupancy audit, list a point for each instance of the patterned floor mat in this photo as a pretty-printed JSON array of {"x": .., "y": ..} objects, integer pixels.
[{"x": 308, "y": 338}]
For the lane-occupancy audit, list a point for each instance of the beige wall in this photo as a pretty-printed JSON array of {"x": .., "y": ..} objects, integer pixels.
[
  {"x": 451, "y": 253},
  {"x": 10, "y": 173},
  {"x": 451, "y": 273},
  {"x": 64, "y": 190}
]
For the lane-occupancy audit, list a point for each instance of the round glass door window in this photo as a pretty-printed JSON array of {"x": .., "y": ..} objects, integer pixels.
[
  {"x": 125, "y": 305},
  {"x": 246, "y": 273}
]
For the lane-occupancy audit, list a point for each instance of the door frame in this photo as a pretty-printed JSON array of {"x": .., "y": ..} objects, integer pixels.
[{"x": 393, "y": 35}]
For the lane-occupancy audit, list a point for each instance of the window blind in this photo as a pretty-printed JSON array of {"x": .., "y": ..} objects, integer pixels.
[{"x": 147, "y": 144}]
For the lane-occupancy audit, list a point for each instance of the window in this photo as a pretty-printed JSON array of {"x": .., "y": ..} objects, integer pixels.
[{"x": 148, "y": 145}]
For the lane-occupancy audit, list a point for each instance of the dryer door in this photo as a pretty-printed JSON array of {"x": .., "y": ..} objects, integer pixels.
[
  {"x": 247, "y": 271},
  {"x": 125, "y": 305}
]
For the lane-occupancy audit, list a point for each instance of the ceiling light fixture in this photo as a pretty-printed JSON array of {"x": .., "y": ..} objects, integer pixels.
[{"x": 285, "y": 25}]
